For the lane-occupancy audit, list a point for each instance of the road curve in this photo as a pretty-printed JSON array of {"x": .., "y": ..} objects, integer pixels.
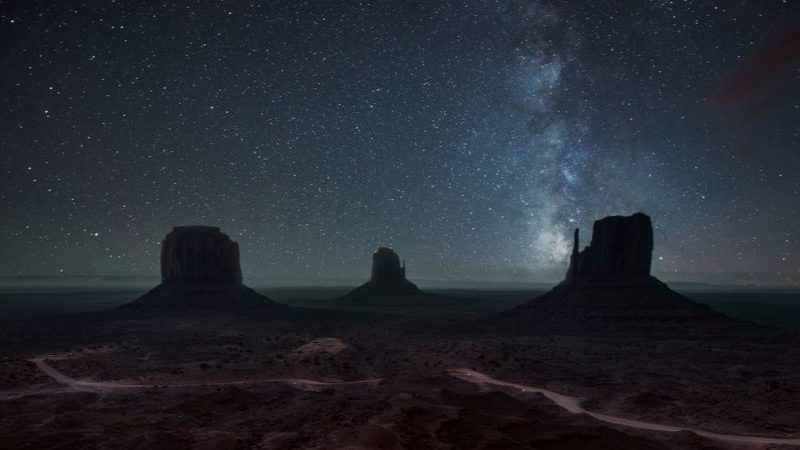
[
  {"x": 573, "y": 405},
  {"x": 87, "y": 385}
]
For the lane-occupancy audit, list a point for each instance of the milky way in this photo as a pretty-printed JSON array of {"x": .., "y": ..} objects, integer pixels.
[{"x": 470, "y": 136}]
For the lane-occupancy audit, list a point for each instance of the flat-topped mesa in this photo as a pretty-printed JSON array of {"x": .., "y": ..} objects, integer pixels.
[
  {"x": 386, "y": 266},
  {"x": 200, "y": 272},
  {"x": 620, "y": 251},
  {"x": 200, "y": 254}
]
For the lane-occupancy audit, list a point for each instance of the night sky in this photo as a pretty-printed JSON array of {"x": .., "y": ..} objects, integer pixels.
[{"x": 471, "y": 136}]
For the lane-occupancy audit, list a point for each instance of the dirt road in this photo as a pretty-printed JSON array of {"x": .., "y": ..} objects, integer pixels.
[
  {"x": 573, "y": 405},
  {"x": 568, "y": 403},
  {"x": 87, "y": 385}
]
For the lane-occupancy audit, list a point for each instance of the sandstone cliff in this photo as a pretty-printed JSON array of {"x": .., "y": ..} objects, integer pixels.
[
  {"x": 621, "y": 249},
  {"x": 200, "y": 254}
]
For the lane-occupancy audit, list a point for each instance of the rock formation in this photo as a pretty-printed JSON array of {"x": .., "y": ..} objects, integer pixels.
[
  {"x": 387, "y": 269},
  {"x": 389, "y": 287},
  {"x": 620, "y": 252},
  {"x": 388, "y": 278},
  {"x": 608, "y": 287},
  {"x": 200, "y": 254},
  {"x": 199, "y": 271}
]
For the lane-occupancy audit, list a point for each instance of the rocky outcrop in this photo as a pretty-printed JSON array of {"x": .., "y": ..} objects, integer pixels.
[
  {"x": 386, "y": 267},
  {"x": 621, "y": 250},
  {"x": 200, "y": 254},
  {"x": 388, "y": 279},
  {"x": 608, "y": 287},
  {"x": 200, "y": 271}
]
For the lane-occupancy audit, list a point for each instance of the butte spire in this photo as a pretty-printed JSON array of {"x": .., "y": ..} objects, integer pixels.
[{"x": 608, "y": 286}]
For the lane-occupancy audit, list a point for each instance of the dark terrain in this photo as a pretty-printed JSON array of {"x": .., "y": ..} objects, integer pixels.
[{"x": 741, "y": 385}]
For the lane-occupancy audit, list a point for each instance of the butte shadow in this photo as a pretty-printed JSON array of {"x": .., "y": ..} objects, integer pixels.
[
  {"x": 388, "y": 286},
  {"x": 608, "y": 288},
  {"x": 200, "y": 273}
]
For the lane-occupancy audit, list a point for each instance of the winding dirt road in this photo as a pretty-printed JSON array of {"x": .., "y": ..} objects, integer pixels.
[
  {"x": 573, "y": 405},
  {"x": 568, "y": 403},
  {"x": 102, "y": 386}
]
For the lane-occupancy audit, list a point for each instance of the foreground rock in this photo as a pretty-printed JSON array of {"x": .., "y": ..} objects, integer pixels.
[
  {"x": 200, "y": 270},
  {"x": 608, "y": 287}
]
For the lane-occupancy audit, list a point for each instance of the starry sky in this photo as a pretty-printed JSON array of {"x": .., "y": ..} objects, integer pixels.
[{"x": 471, "y": 136}]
